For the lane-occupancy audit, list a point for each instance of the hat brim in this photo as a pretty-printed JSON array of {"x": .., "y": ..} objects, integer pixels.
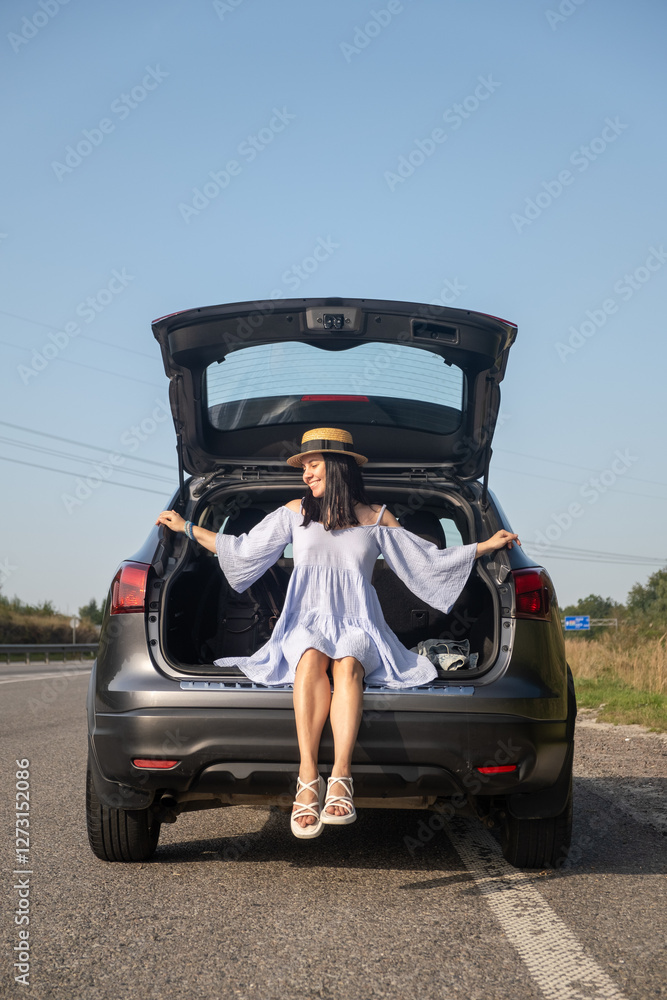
[{"x": 295, "y": 460}]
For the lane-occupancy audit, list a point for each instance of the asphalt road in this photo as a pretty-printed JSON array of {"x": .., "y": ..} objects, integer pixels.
[{"x": 233, "y": 906}]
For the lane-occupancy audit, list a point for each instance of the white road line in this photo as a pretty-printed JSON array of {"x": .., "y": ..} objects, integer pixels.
[
  {"x": 42, "y": 677},
  {"x": 555, "y": 959}
]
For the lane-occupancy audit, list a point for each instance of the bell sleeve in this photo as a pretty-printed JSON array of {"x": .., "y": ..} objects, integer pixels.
[
  {"x": 244, "y": 558},
  {"x": 435, "y": 575}
]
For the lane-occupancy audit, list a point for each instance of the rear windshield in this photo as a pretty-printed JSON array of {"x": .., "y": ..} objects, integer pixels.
[{"x": 383, "y": 384}]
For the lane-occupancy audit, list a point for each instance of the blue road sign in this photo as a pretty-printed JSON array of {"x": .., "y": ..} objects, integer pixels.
[{"x": 577, "y": 623}]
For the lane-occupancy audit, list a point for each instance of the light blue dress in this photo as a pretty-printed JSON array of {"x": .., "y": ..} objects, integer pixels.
[{"x": 331, "y": 604}]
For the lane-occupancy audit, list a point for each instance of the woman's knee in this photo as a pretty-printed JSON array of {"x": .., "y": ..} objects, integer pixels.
[
  {"x": 348, "y": 668},
  {"x": 313, "y": 661}
]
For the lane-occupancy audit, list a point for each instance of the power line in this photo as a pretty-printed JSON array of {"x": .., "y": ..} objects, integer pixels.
[
  {"x": 79, "y": 364},
  {"x": 64, "y": 472},
  {"x": 79, "y": 336},
  {"x": 572, "y": 482},
  {"x": 596, "y": 552},
  {"x": 592, "y": 556},
  {"x": 572, "y": 465},
  {"x": 83, "y": 444},
  {"x": 76, "y": 458},
  {"x": 603, "y": 562}
]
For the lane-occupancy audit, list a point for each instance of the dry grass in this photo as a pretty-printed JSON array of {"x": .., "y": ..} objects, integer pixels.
[
  {"x": 622, "y": 677},
  {"x": 640, "y": 663}
]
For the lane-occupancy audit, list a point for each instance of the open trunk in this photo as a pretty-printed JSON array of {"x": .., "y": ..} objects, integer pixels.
[
  {"x": 203, "y": 619},
  {"x": 248, "y": 378}
]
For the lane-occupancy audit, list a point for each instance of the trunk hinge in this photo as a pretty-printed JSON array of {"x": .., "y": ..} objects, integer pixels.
[
  {"x": 248, "y": 472},
  {"x": 201, "y": 487},
  {"x": 485, "y": 480},
  {"x": 174, "y": 394},
  {"x": 181, "y": 476},
  {"x": 419, "y": 474}
]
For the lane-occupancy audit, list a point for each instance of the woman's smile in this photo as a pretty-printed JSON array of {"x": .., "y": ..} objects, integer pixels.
[{"x": 315, "y": 474}]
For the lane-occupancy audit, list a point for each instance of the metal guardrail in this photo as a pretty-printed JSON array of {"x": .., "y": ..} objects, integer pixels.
[{"x": 20, "y": 651}]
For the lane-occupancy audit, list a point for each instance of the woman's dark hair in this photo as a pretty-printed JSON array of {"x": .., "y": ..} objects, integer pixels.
[{"x": 343, "y": 489}]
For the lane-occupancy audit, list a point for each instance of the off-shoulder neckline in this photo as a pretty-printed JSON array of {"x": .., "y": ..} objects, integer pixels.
[{"x": 375, "y": 524}]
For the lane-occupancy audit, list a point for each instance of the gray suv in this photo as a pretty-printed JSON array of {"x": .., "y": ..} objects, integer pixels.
[{"x": 418, "y": 388}]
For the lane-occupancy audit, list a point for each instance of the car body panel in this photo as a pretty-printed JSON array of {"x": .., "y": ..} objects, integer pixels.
[{"x": 251, "y": 738}]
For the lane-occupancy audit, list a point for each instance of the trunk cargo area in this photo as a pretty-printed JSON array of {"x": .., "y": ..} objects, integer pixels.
[{"x": 202, "y": 618}]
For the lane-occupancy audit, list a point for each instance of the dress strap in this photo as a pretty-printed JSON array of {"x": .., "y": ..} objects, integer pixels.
[{"x": 379, "y": 517}]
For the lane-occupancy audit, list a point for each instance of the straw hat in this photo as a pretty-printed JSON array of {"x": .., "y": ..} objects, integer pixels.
[{"x": 326, "y": 440}]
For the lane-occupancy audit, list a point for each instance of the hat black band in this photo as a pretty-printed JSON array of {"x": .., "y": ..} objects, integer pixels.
[{"x": 326, "y": 445}]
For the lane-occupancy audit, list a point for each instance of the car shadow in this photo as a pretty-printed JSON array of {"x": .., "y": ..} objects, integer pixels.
[{"x": 606, "y": 838}]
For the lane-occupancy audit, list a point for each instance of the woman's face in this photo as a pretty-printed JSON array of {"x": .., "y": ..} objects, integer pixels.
[{"x": 315, "y": 473}]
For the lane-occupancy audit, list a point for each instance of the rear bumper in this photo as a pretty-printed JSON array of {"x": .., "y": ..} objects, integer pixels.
[{"x": 236, "y": 752}]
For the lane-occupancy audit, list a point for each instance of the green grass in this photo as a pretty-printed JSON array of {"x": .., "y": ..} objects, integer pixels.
[{"x": 621, "y": 703}]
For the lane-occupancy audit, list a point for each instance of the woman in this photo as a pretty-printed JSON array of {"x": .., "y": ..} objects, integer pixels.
[{"x": 332, "y": 618}]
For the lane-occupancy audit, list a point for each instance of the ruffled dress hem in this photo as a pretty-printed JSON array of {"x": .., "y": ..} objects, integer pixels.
[{"x": 331, "y": 604}]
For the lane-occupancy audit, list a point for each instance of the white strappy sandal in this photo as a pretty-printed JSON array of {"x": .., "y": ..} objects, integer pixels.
[
  {"x": 341, "y": 801},
  {"x": 314, "y": 809}
]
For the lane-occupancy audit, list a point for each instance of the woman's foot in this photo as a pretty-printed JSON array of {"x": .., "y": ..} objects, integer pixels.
[
  {"x": 305, "y": 820},
  {"x": 338, "y": 806}
]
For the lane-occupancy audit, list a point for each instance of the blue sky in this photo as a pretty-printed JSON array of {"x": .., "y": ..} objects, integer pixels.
[{"x": 506, "y": 158}]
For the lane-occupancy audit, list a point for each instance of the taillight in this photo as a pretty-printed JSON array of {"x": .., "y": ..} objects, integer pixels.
[
  {"x": 128, "y": 590},
  {"x": 498, "y": 769},
  {"x": 533, "y": 593},
  {"x": 153, "y": 762}
]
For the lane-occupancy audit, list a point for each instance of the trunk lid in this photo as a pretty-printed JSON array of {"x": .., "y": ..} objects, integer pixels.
[{"x": 416, "y": 385}]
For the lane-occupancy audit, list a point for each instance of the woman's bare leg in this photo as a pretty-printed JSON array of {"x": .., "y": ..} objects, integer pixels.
[
  {"x": 312, "y": 699},
  {"x": 345, "y": 714}
]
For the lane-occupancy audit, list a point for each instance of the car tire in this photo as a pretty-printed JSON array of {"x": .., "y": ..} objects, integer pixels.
[
  {"x": 542, "y": 843},
  {"x": 537, "y": 843},
  {"x": 119, "y": 834}
]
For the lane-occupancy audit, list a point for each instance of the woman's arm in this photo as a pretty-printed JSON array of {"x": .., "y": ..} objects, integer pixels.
[
  {"x": 243, "y": 558},
  {"x": 177, "y": 523},
  {"x": 501, "y": 539}
]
